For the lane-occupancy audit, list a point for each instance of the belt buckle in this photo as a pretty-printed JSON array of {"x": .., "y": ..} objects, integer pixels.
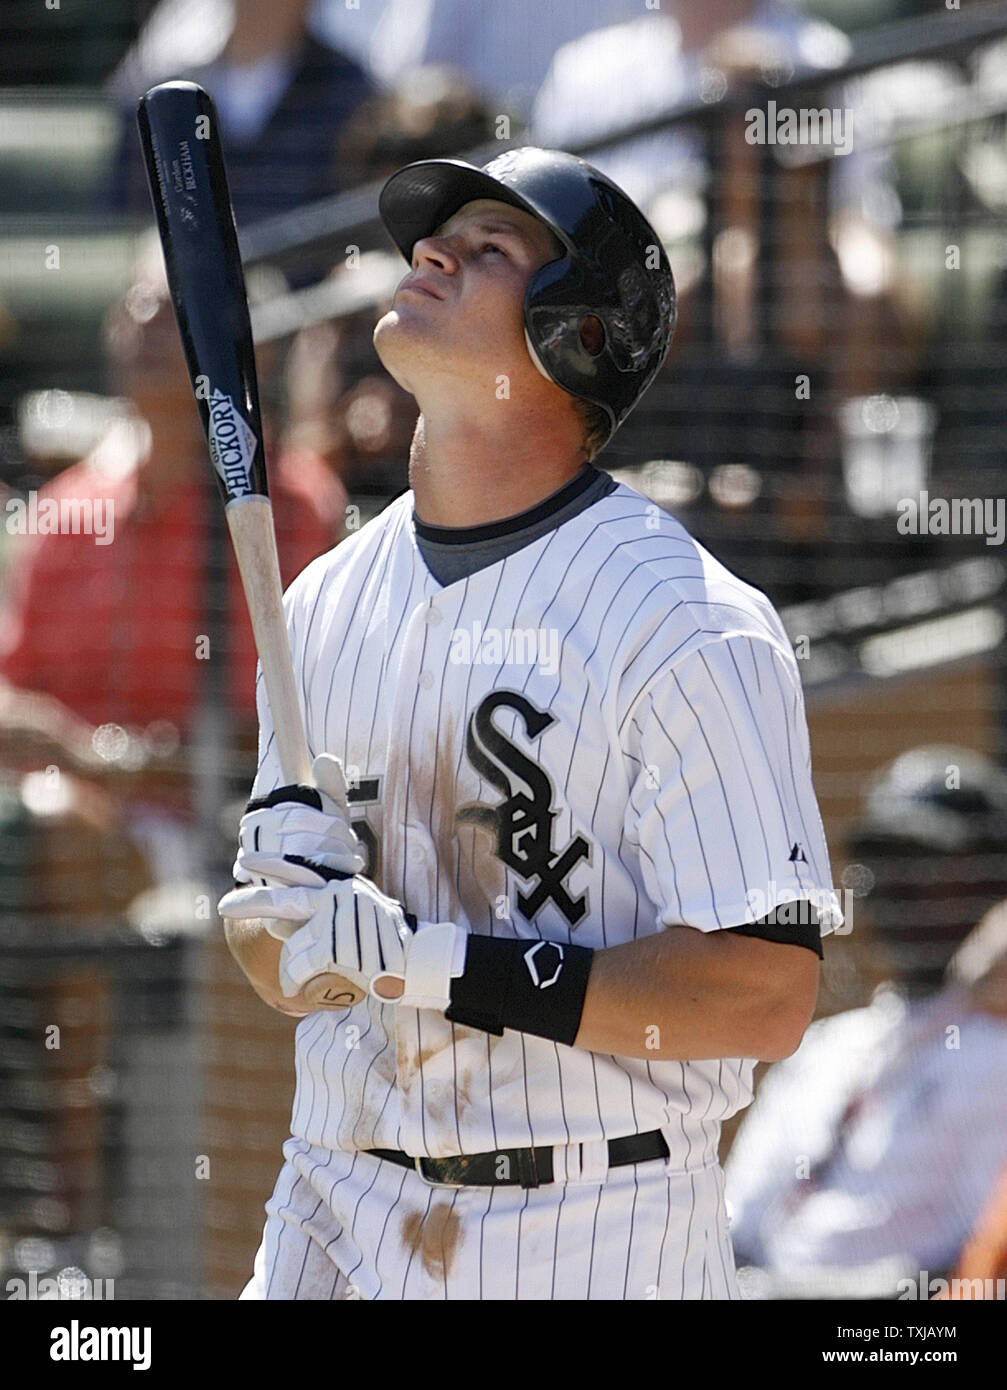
[{"x": 431, "y": 1182}]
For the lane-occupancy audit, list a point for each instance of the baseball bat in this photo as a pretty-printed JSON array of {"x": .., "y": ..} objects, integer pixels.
[{"x": 180, "y": 137}]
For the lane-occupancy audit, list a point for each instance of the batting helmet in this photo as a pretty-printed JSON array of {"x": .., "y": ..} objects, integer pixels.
[
  {"x": 945, "y": 799},
  {"x": 932, "y": 834},
  {"x": 613, "y": 265}
]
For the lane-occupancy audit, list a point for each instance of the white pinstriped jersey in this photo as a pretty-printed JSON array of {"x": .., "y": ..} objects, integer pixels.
[{"x": 601, "y": 735}]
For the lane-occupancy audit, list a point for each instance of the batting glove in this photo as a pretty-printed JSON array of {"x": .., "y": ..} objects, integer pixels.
[
  {"x": 350, "y": 928},
  {"x": 300, "y": 835}
]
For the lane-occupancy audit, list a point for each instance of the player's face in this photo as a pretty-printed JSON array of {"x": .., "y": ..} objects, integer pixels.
[{"x": 458, "y": 315}]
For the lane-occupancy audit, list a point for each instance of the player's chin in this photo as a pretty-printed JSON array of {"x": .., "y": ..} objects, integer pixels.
[
  {"x": 408, "y": 308},
  {"x": 399, "y": 335},
  {"x": 412, "y": 353}
]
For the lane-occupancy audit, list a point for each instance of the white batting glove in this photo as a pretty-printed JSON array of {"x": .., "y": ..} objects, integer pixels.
[
  {"x": 300, "y": 835},
  {"x": 348, "y": 927}
]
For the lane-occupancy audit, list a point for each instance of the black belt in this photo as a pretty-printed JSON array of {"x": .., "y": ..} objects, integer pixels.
[{"x": 518, "y": 1167}]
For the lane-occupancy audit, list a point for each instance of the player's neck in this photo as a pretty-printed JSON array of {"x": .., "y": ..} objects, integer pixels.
[{"x": 464, "y": 477}]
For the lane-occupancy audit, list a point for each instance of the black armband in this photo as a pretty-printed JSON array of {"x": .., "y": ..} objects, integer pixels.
[
  {"x": 790, "y": 924},
  {"x": 533, "y": 987}
]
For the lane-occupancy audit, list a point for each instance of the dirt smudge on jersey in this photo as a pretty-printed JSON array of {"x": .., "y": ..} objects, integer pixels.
[
  {"x": 463, "y": 1094},
  {"x": 434, "y": 1238},
  {"x": 431, "y": 774}
]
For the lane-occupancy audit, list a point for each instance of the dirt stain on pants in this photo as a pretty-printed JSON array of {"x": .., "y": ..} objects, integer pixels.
[{"x": 435, "y": 1237}]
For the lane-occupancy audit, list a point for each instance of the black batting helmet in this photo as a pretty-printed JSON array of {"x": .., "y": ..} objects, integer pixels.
[
  {"x": 613, "y": 265},
  {"x": 946, "y": 799},
  {"x": 932, "y": 833}
]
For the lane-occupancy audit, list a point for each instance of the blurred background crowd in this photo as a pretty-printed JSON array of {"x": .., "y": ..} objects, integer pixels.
[{"x": 840, "y": 354}]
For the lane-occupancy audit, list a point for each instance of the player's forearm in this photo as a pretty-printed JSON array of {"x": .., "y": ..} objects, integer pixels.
[
  {"x": 246, "y": 938},
  {"x": 258, "y": 955},
  {"x": 686, "y": 994}
]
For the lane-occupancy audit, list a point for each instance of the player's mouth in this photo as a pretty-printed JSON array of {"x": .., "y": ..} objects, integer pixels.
[{"x": 420, "y": 286}]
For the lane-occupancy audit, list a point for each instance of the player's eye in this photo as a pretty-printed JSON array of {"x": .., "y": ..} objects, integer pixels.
[{"x": 492, "y": 246}]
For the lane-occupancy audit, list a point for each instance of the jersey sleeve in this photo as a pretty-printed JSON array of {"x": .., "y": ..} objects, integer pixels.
[{"x": 722, "y": 807}]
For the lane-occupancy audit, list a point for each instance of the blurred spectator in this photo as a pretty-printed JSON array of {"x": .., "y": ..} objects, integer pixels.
[
  {"x": 363, "y": 430},
  {"x": 648, "y": 66},
  {"x": 967, "y": 350},
  {"x": 431, "y": 112},
  {"x": 869, "y": 1154},
  {"x": 985, "y": 1255},
  {"x": 348, "y": 27},
  {"x": 981, "y": 967},
  {"x": 114, "y": 634},
  {"x": 283, "y": 96},
  {"x": 688, "y": 55},
  {"x": 69, "y": 857},
  {"x": 505, "y": 50}
]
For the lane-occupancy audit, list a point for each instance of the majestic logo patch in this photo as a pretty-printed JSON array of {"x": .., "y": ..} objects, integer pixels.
[
  {"x": 232, "y": 445},
  {"x": 523, "y": 821}
]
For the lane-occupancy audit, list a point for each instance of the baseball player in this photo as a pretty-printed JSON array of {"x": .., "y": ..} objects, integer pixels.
[{"x": 562, "y": 879}]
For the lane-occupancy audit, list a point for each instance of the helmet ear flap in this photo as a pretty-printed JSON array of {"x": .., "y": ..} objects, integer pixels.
[{"x": 535, "y": 357}]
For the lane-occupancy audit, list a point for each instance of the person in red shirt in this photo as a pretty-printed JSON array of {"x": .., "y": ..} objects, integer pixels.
[
  {"x": 126, "y": 651},
  {"x": 117, "y": 627}
]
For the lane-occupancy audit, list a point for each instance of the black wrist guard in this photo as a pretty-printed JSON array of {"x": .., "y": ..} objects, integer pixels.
[{"x": 529, "y": 986}]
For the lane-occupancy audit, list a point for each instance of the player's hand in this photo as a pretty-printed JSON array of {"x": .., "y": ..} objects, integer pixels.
[
  {"x": 299, "y": 835},
  {"x": 349, "y": 929},
  {"x": 353, "y": 931},
  {"x": 257, "y": 954}
]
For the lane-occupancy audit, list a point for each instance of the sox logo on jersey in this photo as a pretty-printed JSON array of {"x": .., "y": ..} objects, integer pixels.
[
  {"x": 522, "y": 824},
  {"x": 656, "y": 777}
]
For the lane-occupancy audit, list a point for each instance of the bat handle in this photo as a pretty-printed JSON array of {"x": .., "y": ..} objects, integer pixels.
[{"x": 250, "y": 521}]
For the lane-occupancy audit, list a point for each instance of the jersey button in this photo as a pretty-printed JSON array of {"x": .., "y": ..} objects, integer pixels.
[
  {"x": 433, "y": 617},
  {"x": 426, "y": 680}
]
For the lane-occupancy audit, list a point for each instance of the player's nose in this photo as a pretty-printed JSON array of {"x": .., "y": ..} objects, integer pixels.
[{"x": 435, "y": 251}]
